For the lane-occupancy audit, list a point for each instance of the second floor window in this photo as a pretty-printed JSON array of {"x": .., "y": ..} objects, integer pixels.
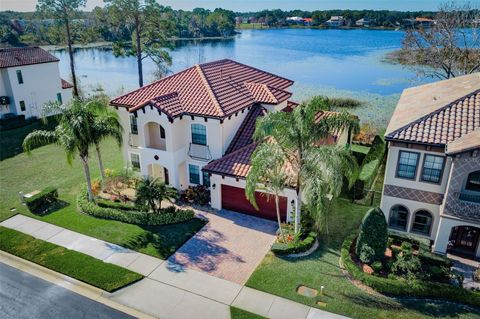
[
  {"x": 133, "y": 124},
  {"x": 19, "y": 77},
  {"x": 22, "y": 106},
  {"x": 407, "y": 164},
  {"x": 199, "y": 134},
  {"x": 432, "y": 168}
]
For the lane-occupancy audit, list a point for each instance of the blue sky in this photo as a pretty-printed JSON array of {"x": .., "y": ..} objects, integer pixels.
[{"x": 255, "y": 5}]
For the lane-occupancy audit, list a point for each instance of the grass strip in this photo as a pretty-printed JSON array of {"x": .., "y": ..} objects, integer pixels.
[
  {"x": 237, "y": 313},
  {"x": 74, "y": 264}
]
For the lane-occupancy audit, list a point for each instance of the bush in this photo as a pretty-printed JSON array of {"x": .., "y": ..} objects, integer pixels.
[
  {"x": 166, "y": 216},
  {"x": 377, "y": 266},
  {"x": 294, "y": 247},
  {"x": 199, "y": 195},
  {"x": 367, "y": 254},
  {"x": 395, "y": 287},
  {"x": 370, "y": 165},
  {"x": 119, "y": 205},
  {"x": 38, "y": 204},
  {"x": 374, "y": 234}
]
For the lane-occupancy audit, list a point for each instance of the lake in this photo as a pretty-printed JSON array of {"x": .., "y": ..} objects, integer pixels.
[{"x": 331, "y": 62}]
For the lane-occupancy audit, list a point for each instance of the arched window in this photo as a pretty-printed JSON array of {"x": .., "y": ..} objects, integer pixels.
[
  {"x": 422, "y": 223},
  {"x": 199, "y": 134},
  {"x": 473, "y": 182},
  {"x": 398, "y": 217}
]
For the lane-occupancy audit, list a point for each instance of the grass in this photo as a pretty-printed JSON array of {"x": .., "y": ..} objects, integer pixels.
[
  {"x": 85, "y": 268},
  {"x": 282, "y": 276},
  {"x": 360, "y": 148},
  {"x": 237, "y": 313},
  {"x": 47, "y": 166}
]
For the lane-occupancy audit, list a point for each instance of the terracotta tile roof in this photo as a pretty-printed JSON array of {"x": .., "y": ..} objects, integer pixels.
[
  {"x": 290, "y": 106},
  {"x": 216, "y": 89},
  {"x": 236, "y": 164},
  {"x": 465, "y": 143},
  {"x": 244, "y": 135},
  {"x": 267, "y": 94},
  {"x": 11, "y": 57},
  {"x": 445, "y": 125},
  {"x": 66, "y": 84}
]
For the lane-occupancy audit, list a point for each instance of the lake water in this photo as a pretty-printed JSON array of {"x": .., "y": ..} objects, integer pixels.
[{"x": 332, "y": 62}]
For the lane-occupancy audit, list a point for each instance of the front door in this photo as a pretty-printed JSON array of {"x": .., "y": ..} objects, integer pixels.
[{"x": 464, "y": 240}]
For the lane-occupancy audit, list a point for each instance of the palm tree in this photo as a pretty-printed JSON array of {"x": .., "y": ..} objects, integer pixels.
[
  {"x": 150, "y": 191},
  {"x": 75, "y": 126},
  {"x": 107, "y": 124},
  {"x": 268, "y": 173},
  {"x": 315, "y": 170}
]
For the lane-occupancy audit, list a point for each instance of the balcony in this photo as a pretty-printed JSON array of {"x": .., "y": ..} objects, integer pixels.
[
  {"x": 199, "y": 152},
  {"x": 469, "y": 197}
]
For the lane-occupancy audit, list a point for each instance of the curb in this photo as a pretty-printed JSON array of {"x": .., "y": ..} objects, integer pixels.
[{"x": 68, "y": 283}]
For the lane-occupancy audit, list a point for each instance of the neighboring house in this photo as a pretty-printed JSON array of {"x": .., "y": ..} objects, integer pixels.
[
  {"x": 29, "y": 78},
  {"x": 419, "y": 22},
  {"x": 432, "y": 177},
  {"x": 196, "y": 126},
  {"x": 335, "y": 21},
  {"x": 363, "y": 22}
]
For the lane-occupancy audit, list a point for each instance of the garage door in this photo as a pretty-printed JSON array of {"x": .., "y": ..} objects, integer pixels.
[{"x": 233, "y": 198}]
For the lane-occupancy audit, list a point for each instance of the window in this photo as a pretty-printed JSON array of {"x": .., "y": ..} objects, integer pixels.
[
  {"x": 407, "y": 164},
  {"x": 473, "y": 182},
  {"x": 22, "y": 106},
  {"x": 206, "y": 179},
  {"x": 199, "y": 134},
  {"x": 432, "y": 168},
  {"x": 59, "y": 98},
  {"x": 422, "y": 223},
  {"x": 133, "y": 124},
  {"x": 19, "y": 77},
  {"x": 398, "y": 217},
  {"x": 135, "y": 160},
  {"x": 194, "y": 173},
  {"x": 162, "y": 132}
]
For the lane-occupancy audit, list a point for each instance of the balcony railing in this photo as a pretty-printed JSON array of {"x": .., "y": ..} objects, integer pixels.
[
  {"x": 475, "y": 198},
  {"x": 199, "y": 152}
]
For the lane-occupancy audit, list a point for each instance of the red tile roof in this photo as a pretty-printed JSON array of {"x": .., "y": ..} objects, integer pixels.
[
  {"x": 244, "y": 135},
  {"x": 236, "y": 164},
  {"x": 445, "y": 125},
  {"x": 216, "y": 89},
  {"x": 65, "y": 84},
  {"x": 290, "y": 106},
  {"x": 11, "y": 57}
]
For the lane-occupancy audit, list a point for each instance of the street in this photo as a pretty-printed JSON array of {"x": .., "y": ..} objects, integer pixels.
[{"x": 25, "y": 296}]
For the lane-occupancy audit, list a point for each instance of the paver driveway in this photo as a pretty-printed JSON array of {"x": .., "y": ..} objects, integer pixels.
[{"x": 230, "y": 246}]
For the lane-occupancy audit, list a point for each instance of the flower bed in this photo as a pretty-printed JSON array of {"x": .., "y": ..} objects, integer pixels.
[
  {"x": 396, "y": 286},
  {"x": 169, "y": 215}
]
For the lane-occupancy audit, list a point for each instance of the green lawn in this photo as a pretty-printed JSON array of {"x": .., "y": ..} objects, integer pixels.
[
  {"x": 47, "y": 166},
  {"x": 237, "y": 313},
  {"x": 85, "y": 268},
  {"x": 282, "y": 276}
]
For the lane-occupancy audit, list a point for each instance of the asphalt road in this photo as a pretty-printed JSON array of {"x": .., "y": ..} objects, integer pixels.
[{"x": 25, "y": 296}]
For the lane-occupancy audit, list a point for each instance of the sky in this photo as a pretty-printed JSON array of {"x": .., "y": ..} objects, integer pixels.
[{"x": 256, "y": 5}]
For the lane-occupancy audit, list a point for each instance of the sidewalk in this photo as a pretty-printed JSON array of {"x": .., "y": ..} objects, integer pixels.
[{"x": 166, "y": 292}]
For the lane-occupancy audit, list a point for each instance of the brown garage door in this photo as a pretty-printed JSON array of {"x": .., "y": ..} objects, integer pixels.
[{"x": 233, "y": 198}]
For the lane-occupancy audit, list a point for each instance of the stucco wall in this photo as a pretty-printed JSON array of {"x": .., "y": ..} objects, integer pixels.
[{"x": 445, "y": 227}]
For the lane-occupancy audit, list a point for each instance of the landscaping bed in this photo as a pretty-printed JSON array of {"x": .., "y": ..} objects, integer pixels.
[{"x": 85, "y": 268}]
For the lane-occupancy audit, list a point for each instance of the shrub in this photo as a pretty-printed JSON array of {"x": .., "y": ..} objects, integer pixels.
[
  {"x": 343, "y": 102},
  {"x": 198, "y": 194},
  {"x": 377, "y": 266},
  {"x": 367, "y": 254},
  {"x": 295, "y": 247},
  {"x": 119, "y": 205},
  {"x": 406, "y": 247},
  {"x": 373, "y": 233},
  {"x": 39, "y": 203},
  {"x": 164, "y": 217}
]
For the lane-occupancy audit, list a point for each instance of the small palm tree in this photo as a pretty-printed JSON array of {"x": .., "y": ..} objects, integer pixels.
[
  {"x": 268, "y": 173},
  {"x": 75, "y": 126},
  {"x": 150, "y": 191},
  {"x": 297, "y": 134}
]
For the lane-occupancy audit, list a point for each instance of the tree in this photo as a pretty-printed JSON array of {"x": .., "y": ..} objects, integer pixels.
[
  {"x": 65, "y": 11},
  {"x": 150, "y": 191},
  {"x": 373, "y": 236},
  {"x": 449, "y": 48},
  {"x": 106, "y": 124},
  {"x": 267, "y": 173},
  {"x": 150, "y": 25},
  {"x": 297, "y": 135},
  {"x": 73, "y": 134}
]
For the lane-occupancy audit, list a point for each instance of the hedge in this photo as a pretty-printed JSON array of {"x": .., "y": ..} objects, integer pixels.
[
  {"x": 373, "y": 234},
  {"x": 116, "y": 205},
  {"x": 370, "y": 165},
  {"x": 393, "y": 287},
  {"x": 169, "y": 215},
  {"x": 294, "y": 248},
  {"x": 39, "y": 203}
]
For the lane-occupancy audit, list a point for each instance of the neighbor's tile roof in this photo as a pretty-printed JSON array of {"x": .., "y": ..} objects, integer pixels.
[
  {"x": 437, "y": 113},
  {"x": 244, "y": 135},
  {"x": 290, "y": 106},
  {"x": 11, "y": 57},
  {"x": 216, "y": 89},
  {"x": 66, "y": 84}
]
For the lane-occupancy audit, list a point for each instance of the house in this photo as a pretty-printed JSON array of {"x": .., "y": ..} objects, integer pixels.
[
  {"x": 432, "y": 177},
  {"x": 363, "y": 22},
  {"x": 29, "y": 78},
  {"x": 335, "y": 21},
  {"x": 196, "y": 127},
  {"x": 419, "y": 22}
]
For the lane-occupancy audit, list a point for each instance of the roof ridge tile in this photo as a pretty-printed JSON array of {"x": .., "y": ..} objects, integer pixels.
[{"x": 209, "y": 88}]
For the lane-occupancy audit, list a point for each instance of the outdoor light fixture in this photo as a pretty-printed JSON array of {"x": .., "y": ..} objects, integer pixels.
[{"x": 214, "y": 185}]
